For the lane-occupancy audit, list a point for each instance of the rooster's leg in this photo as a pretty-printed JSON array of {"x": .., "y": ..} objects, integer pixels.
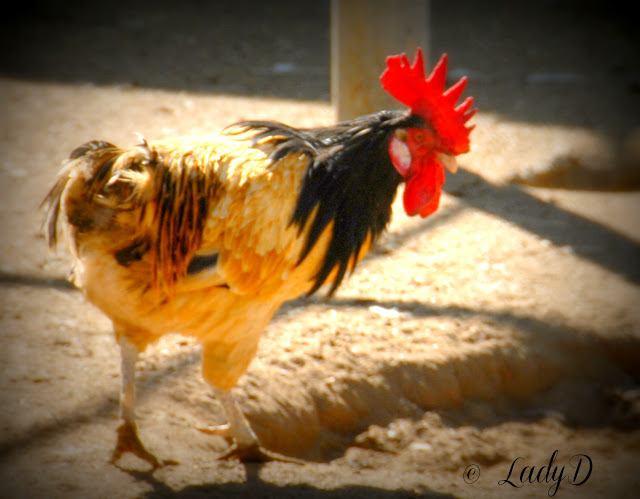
[
  {"x": 128, "y": 440},
  {"x": 246, "y": 446}
]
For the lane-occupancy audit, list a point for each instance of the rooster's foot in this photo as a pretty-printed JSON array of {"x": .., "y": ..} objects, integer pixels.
[
  {"x": 252, "y": 452},
  {"x": 256, "y": 454},
  {"x": 128, "y": 441}
]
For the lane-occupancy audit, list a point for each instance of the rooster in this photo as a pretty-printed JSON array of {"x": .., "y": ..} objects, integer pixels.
[{"x": 208, "y": 236}]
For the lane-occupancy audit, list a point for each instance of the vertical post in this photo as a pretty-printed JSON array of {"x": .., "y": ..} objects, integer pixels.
[{"x": 363, "y": 34}]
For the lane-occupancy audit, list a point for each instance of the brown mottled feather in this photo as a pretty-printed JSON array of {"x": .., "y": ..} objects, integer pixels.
[{"x": 135, "y": 219}]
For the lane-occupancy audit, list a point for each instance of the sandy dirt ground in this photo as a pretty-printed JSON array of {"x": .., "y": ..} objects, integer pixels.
[{"x": 467, "y": 351}]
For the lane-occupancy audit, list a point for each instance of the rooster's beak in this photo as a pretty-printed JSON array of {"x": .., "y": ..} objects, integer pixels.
[{"x": 449, "y": 162}]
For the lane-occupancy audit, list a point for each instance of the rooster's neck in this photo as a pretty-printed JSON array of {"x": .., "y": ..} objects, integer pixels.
[{"x": 352, "y": 183}]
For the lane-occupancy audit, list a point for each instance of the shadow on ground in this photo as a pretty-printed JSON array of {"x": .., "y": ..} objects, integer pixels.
[
  {"x": 254, "y": 486},
  {"x": 521, "y": 57}
]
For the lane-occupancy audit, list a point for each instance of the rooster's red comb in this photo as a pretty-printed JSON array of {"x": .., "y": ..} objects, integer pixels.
[{"x": 427, "y": 98}]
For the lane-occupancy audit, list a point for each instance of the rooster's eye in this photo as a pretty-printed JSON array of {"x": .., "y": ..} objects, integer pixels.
[{"x": 419, "y": 137}]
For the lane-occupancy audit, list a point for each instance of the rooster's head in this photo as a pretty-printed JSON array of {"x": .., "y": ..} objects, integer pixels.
[{"x": 421, "y": 153}]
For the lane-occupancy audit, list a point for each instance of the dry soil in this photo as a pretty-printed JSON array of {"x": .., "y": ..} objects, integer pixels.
[{"x": 500, "y": 333}]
